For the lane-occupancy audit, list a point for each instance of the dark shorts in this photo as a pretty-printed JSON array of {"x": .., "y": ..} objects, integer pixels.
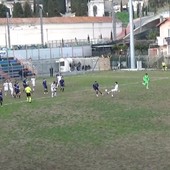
[
  {"x": 24, "y": 86},
  {"x": 17, "y": 92},
  {"x": 1, "y": 99},
  {"x": 28, "y": 94},
  {"x": 45, "y": 87}
]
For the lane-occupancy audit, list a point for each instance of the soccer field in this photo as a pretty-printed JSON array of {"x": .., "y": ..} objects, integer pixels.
[{"x": 78, "y": 131}]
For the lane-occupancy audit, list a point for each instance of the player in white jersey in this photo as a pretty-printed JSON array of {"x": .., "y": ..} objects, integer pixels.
[
  {"x": 5, "y": 85},
  {"x": 11, "y": 88},
  {"x": 53, "y": 89},
  {"x": 115, "y": 89},
  {"x": 33, "y": 78},
  {"x": 59, "y": 76}
]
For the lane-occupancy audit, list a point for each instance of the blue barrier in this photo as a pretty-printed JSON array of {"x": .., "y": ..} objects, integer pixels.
[
  {"x": 14, "y": 68},
  {"x": 4, "y": 62}
]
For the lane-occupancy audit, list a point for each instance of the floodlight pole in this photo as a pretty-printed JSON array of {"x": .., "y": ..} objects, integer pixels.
[
  {"x": 41, "y": 23},
  {"x": 132, "y": 53},
  {"x": 8, "y": 45},
  {"x": 8, "y": 30},
  {"x": 113, "y": 22}
]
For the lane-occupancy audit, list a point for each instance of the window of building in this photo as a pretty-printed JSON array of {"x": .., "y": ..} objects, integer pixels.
[
  {"x": 62, "y": 63},
  {"x": 94, "y": 10}
]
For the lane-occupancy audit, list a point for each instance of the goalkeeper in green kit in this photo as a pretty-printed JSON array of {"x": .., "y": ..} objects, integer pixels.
[{"x": 146, "y": 80}]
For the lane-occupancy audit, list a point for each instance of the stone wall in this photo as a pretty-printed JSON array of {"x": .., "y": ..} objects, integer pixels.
[{"x": 104, "y": 63}]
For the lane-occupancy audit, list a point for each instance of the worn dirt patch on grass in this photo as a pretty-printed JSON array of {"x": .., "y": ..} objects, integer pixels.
[{"x": 144, "y": 151}]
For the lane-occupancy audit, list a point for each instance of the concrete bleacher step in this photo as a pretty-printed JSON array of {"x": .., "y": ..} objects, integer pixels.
[
  {"x": 11, "y": 67},
  {"x": 3, "y": 75}
]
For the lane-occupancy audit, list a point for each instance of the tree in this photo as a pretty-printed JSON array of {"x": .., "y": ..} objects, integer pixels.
[
  {"x": 17, "y": 10},
  {"x": 141, "y": 47},
  {"x": 61, "y": 7},
  {"x": 3, "y": 11},
  {"x": 34, "y": 7},
  {"x": 146, "y": 10},
  {"x": 111, "y": 36},
  {"x": 27, "y": 9},
  {"x": 51, "y": 8},
  {"x": 153, "y": 4},
  {"x": 79, "y": 7},
  {"x": 121, "y": 6},
  {"x": 138, "y": 10},
  {"x": 168, "y": 4},
  {"x": 143, "y": 10},
  {"x": 117, "y": 48},
  {"x": 45, "y": 7},
  {"x": 153, "y": 34},
  {"x": 133, "y": 12}
]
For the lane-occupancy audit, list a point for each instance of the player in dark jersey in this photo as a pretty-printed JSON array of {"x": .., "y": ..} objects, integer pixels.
[
  {"x": 96, "y": 88},
  {"x": 1, "y": 97},
  {"x": 17, "y": 92},
  {"x": 44, "y": 83},
  {"x": 24, "y": 83},
  {"x": 62, "y": 84}
]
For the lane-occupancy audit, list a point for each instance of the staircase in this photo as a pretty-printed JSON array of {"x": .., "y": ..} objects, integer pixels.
[
  {"x": 156, "y": 62},
  {"x": 3, "y": 75},
  {"x": 28, "y": 65}
]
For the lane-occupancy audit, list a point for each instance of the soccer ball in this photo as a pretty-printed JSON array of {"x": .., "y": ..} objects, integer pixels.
[{"x": 105, "y": 90}]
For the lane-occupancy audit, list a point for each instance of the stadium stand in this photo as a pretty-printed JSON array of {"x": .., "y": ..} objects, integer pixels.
[{"x": 12, "y": 68}]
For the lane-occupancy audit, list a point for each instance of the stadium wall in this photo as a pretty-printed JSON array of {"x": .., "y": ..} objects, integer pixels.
[
  {"x": 28, "y": 30},
  {"x": 51, "y": 53}
]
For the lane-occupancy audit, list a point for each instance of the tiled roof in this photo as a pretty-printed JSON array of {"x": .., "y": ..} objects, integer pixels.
[
  {"x": 162, "y": 22},
  {"x": 57, "y": 20}
]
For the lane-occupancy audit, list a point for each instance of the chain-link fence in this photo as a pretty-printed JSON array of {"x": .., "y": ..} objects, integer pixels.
[
  {"x": 70, "y": 65},
  {"x": 18, "y": 69},
  {"x": 124, "y": 62}
]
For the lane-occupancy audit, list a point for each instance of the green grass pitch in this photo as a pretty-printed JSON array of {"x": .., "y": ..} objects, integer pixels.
[{"x": 78, "y": 131}]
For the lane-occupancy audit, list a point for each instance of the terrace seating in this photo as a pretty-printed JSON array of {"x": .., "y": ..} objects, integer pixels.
[{"x": 12, "y": 68}]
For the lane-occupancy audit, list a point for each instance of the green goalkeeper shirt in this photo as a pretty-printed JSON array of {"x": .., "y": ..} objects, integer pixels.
[{"x": 146, "y": 78}]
